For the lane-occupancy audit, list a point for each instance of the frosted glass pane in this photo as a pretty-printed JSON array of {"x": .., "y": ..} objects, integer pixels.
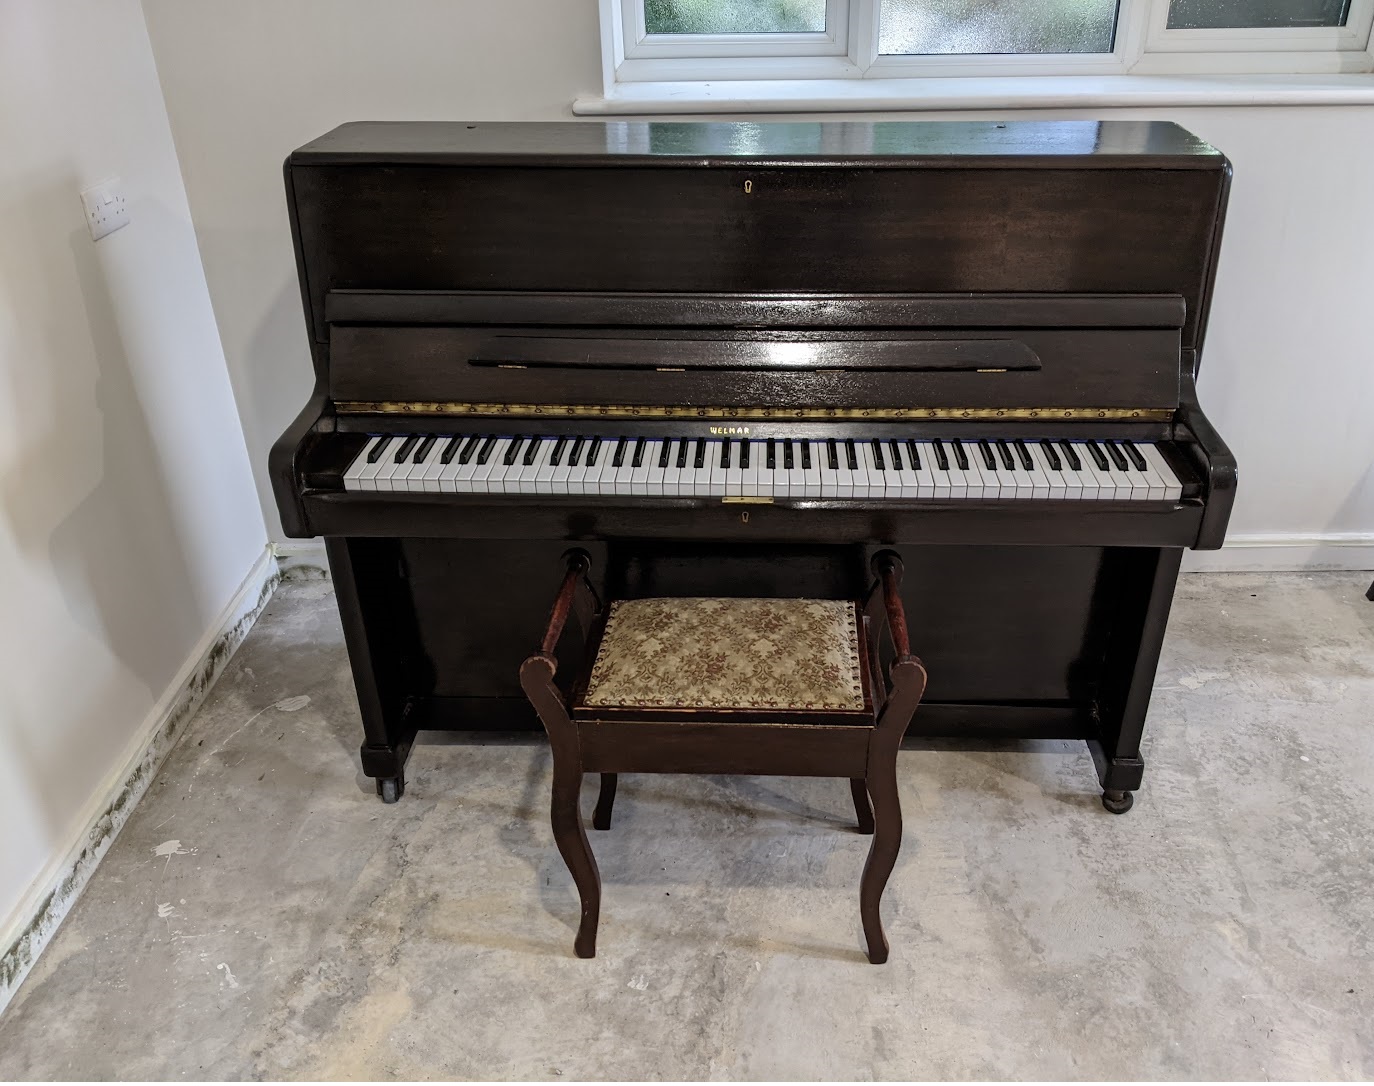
[
  {"x": 734, "y": 16},
  {"x": 1282, "y": 14},
  {"x": 996, "y": 26}
]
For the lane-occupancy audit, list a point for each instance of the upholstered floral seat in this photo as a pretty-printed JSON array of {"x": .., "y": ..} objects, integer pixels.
[{"x": 788, "y": 655}]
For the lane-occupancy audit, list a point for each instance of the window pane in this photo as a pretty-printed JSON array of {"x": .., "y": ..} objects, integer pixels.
[
  {"x": 996, "y": 26},
  {"x": 1207, "y": 14},
  {"x": 734, "y": 16}
]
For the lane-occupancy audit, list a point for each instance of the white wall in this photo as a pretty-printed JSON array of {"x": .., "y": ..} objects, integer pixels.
[
  {"x": 128, "y": 518},
  {"x": 1287, "y": 369}
]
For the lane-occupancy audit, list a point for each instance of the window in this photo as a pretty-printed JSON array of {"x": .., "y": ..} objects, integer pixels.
[{"x": 692, "y": 40}]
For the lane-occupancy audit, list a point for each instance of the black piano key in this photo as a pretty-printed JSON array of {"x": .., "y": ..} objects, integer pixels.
[
  {"x": 556, "y": 457},
  {"x": 665, "y": 452},
  {"x": 682, "y": 453},
  {"x": 576, "y": 452},
  {"x": 451, "y": 449},
  {"x": 1099, "y": 458},
  {"x": 788, "y": 462},
  {"x": 619, "y": 458},
  {"x": 1134, "y": 454},
  {"x": 1071, "y": 456},
  {"x": 533, "y": 451},
  {"x": 941, "y": 457},
  {"x": 895, "y": 447},
  {"x": 423, "y": 450},
  {"x": 1004, "y": 452},
  {"x": 1118, "y": 458},
  {"x": 484, "y": 453},
  {"x": 744, "y": 453},
  {"x": 406, "y": 446},
  {"x": 1047, "y": 446},
  {"x": 834, "y": 454},
  {"x": 1024, "y": 455},
  {"x": 851, "y": 454},
  {"x": 699, "y": 461},
  {"x": 469, "y": 448},
  {"x": 638, "y": 459},
  {"x": 771, "y": 460},
  {"x": 986, "y": 450},
  {"x": 593, "y": 451},
  {"x": 806, "y": 455},
  {"x": 725, "y": 454},
  {"x": 878, "y": 455},
  {"x": 513, "y": 452},
  {"x": 913, "y": 453},
  {"x": 960, "y": 457},
  {"x": 378, "y": 449}
]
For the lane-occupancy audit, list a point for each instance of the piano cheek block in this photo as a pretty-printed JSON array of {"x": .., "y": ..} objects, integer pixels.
[{"x": 853, "y": 309}]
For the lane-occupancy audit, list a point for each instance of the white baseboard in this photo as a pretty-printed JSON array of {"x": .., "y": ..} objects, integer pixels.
[
  {"x": 302, "y": 559},
  {"x": 1280, "y": 553},
  {"x": 34, "y": 921}
]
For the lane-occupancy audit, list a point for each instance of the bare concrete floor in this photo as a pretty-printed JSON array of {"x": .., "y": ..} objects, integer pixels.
[{"x": 264, "y": 915}]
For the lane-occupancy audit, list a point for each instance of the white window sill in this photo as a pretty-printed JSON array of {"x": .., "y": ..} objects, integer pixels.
[{"x": 978, "y": 92}]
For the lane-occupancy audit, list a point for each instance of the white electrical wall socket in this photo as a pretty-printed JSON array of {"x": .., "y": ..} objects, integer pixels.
[{"x": 106, "y": 208}]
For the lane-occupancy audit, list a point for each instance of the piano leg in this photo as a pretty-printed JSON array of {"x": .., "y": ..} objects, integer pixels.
[
  {"x": 1147, "y": 594},
  {"x": 368, "y": 581}
]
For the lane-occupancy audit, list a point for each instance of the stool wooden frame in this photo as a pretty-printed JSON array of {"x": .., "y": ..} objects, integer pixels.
[{"x": 819, "y": 743}]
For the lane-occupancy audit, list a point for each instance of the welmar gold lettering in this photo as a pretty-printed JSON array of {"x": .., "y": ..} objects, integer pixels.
[{"x": 728, "y": 430}]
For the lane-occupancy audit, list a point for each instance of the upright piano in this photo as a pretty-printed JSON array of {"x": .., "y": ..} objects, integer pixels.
[{"x": 739, "y": 359}]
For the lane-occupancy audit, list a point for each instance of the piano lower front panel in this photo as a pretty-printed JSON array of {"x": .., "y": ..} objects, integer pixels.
[
  {"x": 880, "y": 523},
  {"x": 1019, "y": 642}
]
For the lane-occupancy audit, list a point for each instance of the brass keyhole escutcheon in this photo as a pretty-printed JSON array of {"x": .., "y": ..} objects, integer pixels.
[
  {"x": 744, "y": 517},
  {"x": 748, "y": 187}
]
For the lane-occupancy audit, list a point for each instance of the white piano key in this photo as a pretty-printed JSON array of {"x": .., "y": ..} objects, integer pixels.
[
  {"x": 1097, "y": 483},
  {"x": 1137, "y": 480},
  {"x": 830, "y": 476},
  {"x": 672, "y": 474},
  {"x": 415, "y": 478},
  {"x": 391, "y": 467},
  {"x": 496, "y": 456},
  {"x": 577, "y": 472},
  {"x": 594, "y": 468},
  {"x": 858, "y": 475},
  {"x": 1022, "y": 479},
  {"x": 990, "y": 481},
  {"x": 701, "y": 476},
  {"x": 1055, "y": 488},
  {"x": 734, "y": 474},
  {"x": 810, "y": 452},
  {"x": 359, "y": 464},
  {"x": 648, "y": 463},
  {"x": 521, "y": 478},
  {"x": 429, "y": 480},
  {"x": 1173, "y": 489},
  {"x": 878, "y": 478},
  {"x": 796, "y": 474},
  {"x": 751, "y": 485},
  {"x": 716, "y": 483},
  {"x": 973, "y": 478}
]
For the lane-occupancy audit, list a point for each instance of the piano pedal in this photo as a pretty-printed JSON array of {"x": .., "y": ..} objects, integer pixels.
[
  {"x": 392, "y": 788},
  {"x": 1118, "y": 801}
]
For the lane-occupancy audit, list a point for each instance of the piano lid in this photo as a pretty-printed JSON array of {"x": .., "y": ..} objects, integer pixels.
[{"x": 1102, "y": 144}]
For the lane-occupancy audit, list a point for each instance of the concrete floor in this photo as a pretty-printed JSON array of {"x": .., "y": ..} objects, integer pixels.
[{"x": 263, "y": 915}]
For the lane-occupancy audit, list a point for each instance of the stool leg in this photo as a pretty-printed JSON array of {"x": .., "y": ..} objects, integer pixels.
[
  {"x": 882, "y": 854},
  {"x": 862, "y": 811},
  {"x": 571, "y": 839},
  {"x": 605, "y": 800}
]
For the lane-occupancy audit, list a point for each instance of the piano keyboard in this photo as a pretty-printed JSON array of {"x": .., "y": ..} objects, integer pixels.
[{"x": 988, "y": 468}]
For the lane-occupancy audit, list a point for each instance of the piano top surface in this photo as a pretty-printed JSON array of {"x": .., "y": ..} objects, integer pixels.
[{"x": 1092, "y": 144}]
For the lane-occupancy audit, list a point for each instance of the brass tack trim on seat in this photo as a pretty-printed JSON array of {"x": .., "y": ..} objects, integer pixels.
[{"x": 779, "y": 414}]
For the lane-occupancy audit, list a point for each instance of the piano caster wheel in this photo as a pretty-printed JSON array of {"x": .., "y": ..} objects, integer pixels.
[
  {"x": 390, "y": 789},
  {"x": 1118, "y": 802}
]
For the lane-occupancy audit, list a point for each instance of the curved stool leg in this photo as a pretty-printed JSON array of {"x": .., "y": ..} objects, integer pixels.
[
  {"x": 882, "y": 855},
  {"x": 858, "y": 787},
  {"x": 605, "y": 800},
  {"x": 571, "y": 839}
]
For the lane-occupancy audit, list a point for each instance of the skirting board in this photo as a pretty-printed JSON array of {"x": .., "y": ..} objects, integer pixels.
[
  {"x": 1276, "y": 553},
  {"x": 1273, "y": 553},
  {"x": 41, "y": 911}
]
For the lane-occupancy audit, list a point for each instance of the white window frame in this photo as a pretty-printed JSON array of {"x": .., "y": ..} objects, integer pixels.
[{"x": 849, "y": 50}]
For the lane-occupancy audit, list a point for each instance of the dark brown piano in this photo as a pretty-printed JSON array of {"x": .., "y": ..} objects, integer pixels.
[{"x": 738, "y": 359}]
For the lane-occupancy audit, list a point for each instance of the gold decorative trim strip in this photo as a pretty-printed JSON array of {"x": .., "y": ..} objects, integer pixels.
[{"x": 775, "y": 414}]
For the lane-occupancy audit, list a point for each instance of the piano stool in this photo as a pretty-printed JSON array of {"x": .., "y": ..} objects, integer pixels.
[{"x": 782, "y": 687}]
